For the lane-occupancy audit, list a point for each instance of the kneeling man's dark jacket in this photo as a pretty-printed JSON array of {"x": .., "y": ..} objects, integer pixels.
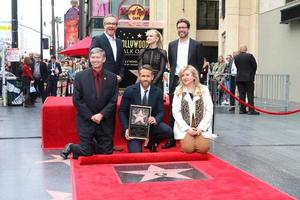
[
  {"x": 87, "y": 104},
  {"x": 132, "y": 96}
]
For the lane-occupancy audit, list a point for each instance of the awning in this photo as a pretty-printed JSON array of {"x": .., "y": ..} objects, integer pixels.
[{"x": 81, "y": 48}]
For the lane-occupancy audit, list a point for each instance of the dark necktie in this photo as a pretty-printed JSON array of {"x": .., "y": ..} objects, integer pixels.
[
  {"x": 98, "y": 85},
  {"x": 144, "y": 99}
]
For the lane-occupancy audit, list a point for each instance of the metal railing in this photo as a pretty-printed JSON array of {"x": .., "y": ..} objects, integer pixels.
[{"x": 271, "y": 90}]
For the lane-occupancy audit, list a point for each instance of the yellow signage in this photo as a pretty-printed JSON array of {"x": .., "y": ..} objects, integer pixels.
[
  {"x": 136, "y": 12},
  {"x": 5, "y": 28}
]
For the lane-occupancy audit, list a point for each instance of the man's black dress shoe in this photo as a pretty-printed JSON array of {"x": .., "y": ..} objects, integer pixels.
[
  {"x": 243, "y": 112},
  {"x": 151, "y": 146},
  {"x": 169, "y": 144},
  {"x": 253, "y": 113},
  {"x": 67, "y": 150}
]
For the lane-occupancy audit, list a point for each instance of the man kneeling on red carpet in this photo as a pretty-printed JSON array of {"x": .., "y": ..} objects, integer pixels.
[
  {"x": 192, "y": 110},
  {"x": 95, "y": 98},
  {"x": 146, "y": 94}
]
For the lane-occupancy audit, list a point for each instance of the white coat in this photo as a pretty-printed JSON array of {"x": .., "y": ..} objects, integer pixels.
[{"x": 180, "y": 126}]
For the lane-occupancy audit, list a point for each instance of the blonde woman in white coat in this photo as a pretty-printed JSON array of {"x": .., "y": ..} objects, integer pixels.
[{"x": 192, "y": 110}]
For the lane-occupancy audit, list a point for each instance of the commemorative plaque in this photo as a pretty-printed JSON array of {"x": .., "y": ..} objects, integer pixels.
[{"x": 138, "y": 122}]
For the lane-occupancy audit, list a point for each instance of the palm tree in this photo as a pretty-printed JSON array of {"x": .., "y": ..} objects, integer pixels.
[{"x": 57, "y": 20}]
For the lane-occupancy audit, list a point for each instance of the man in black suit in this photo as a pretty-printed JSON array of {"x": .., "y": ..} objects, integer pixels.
[
  {"x": 246, "y": 69},
  {"x": 144, "y": 93},
  {"x": 40, "y": 75},
  {"x": 54, "y": 70},
  {"x": 112, "y": 46},
  {"x": 95, "y": 98},
  {"x": 181, "y": 53}
]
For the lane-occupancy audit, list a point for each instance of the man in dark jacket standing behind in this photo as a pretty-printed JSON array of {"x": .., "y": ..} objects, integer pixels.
[
  {"x": 182, "y": 52},
  {"x": 246, "y": 70},
  {"x": 40, "y": 75},
  {"x": 95, "y": 98},
  {"x": 112, "y": 46}
]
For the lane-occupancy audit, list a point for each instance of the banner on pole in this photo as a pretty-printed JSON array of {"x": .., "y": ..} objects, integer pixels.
[{"x": 13, "y": 55}]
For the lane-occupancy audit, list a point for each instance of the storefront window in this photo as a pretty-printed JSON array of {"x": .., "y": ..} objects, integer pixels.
[{"x": 207, "y": 14}]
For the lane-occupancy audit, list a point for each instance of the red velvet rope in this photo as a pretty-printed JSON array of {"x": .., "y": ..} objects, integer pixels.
[{"x": 255, "y": 108}]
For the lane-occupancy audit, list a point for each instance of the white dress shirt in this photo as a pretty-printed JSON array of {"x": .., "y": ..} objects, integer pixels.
[
  {"x": 182, "y": 55},
  {"x": 233, "y": 69},
  {"x": 113, "y": 44}
]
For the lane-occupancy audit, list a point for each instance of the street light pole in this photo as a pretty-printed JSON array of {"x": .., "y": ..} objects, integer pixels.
[
  {"x": 53, "y": 28},
  {"x": 41, "y": 27},
  {"x": 14, "y": 23},
  {"x": 14, "y": 33}
]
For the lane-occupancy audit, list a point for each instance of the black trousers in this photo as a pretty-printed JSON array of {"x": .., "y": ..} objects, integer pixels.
[
  {"x": 171, "y": 95},
  {"x": 246, "y": 89},
  {"x": 39, "y": 86},
  {"x": 93, "y": 141},
  {"x": 232, "y": 89},
  {"x": 51, "y": 86}
]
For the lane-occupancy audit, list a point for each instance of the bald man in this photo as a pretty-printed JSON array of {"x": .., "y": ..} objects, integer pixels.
[{"x": 246, "y": 70}]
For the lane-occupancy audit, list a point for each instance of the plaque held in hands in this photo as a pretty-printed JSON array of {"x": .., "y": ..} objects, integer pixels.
[{"x": 138, "y": 122}]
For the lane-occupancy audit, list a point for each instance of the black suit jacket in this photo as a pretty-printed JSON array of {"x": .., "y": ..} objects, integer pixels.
[
  {"x": 246, "y": 67},
  {"x": 117, "y": 67},
  {"x": 57, "y": 65},
  {"x": 132, "y": 96},
  {"x": 87, "y": 103},
  {"x": 195, "y": 57}
]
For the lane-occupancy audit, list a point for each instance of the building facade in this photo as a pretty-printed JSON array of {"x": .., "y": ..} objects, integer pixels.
[
  {"x": 203, "y": 15},
  {"x": 221, "y": 25},
  {"x": 274, "y": 43}
]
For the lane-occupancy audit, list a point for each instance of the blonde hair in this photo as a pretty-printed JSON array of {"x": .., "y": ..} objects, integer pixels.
[
  {"x": 197, "y": 84},
  {"x": 158, "y": 34}
]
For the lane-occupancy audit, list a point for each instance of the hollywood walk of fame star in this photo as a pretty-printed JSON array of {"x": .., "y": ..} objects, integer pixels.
[
  {"x": 139, "y": 118},
  {"x": 154, "y": 172},
  {"x": 57, "y": 159},
  {"x": 56, "y": 195}
]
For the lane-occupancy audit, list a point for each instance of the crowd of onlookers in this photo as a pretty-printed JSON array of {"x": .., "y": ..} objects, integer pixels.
[
  {"x": 55, "y": 77},
  {"x": 46, "y": 78},
  {"x": 223, "y": 72}
]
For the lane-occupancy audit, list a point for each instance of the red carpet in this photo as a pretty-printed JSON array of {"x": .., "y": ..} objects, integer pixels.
[{"x": 222, "y": 181}]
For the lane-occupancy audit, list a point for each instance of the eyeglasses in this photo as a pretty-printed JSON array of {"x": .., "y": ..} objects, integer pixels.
[
  {"x": 111, "y": 23},
  {"x": 182, "y": 27}
]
